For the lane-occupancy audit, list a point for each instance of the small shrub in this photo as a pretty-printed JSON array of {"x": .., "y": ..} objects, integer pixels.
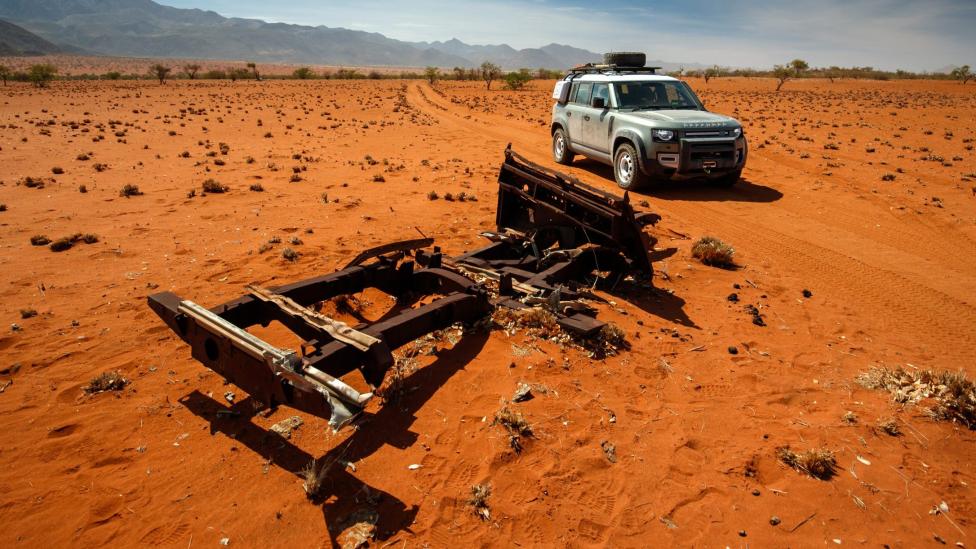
[
  {"x": 819, "y": 463},
  {"x": 257, "y": 187},
  {"x": 888, "y": 177},
  {"x": 714, "y": 252},
  {"x": 295, "y": 178},
  {"x": 432, "y": 195},
  {"x": 82, "y": 157},
  {"x": 289, "y": 254},
  {"x": 3, "y": 207},
  {"x": 889, "y": 426},
  {"x": 89, "y": 238},
  {"x": 130, "y": 190},
  {"x": 82, "y": 189},
  {"x": 39, "y": 240},
  {"x": 215, "y": 187},
  {"x": 516, "y": 425},
  {"x": 57, "y": 170},
  {"x": 62, "y": 244},
  {"x": 27, "y": 313},
  {"x": 479, "y": 500},
  {"x": 108, "y": 381},
  {"x": 378, "y": 178}
]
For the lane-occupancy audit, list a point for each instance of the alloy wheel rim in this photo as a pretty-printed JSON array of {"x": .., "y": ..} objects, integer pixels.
[{"x": 625, "y": 167}]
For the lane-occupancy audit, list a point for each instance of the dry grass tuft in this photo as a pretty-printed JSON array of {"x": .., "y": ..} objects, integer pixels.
[
  {"x": 889, "y": 426},
  {"x": 818, "y": 463},
  {"x": 714, "y": 252},
  {"x": 953, "y": 395},
  {"x": 108, "y": 381},
  {"x": 479, "y": 500},
  {"x": 313, "y": 478},
  {"x": 130, "y": 190},
  {"x": 607, "y": 342},
  {"x": 536, "y": 321},
  {"x": 515, "y": 423}
]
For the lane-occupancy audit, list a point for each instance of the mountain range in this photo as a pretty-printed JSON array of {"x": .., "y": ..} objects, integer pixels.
[
  {"x": 143, "y": 28},
  {"x": 17, "y": 41}
]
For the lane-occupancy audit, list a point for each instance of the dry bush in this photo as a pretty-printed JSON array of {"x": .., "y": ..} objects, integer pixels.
[
  {"x": 289, "y": 254},
  {"x": 108, "y": 381},
  {"x": 214, "y": 186},
  {"x": 257, "y": 187},
  {"x": 818, "y": 463},
  {"x": 714, "y": 252},
  {"x": 130, "y": 190},
  {"x": 479, "y": 500},
  {"x": 889, "y": 426},
  {"x": 954, "y": 396},
  {"x": 536, "y": 321},
  {"x": 39, "y": 240},
  {"x": 62, "y": 244},
  {"x": 606, "y": 342}
]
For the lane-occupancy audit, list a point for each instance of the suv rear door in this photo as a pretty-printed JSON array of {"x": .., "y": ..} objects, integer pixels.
[
  {"x": 578, "y": 103},
  {"x": 596, "y": 122}
]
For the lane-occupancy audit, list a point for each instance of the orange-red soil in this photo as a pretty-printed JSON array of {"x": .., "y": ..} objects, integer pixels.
[{"x": 891, "y": 266}]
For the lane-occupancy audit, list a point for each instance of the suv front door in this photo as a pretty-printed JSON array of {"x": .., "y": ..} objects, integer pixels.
[{"x": 596, "y": 121}]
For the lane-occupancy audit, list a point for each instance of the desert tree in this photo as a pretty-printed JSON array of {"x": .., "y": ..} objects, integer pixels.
[
  {"x": 431, "y": 74},
  {"x": 160, "y": 71},
  {"x": 782, "y": 73},
  {"x": 191, "y": 70},
  {"x": 303, "y": 73},
  {"x": 41, "y": 74},
  {"x": 254, "y": 68},
  {"x": 4, "y": 73},
  {"x": 458, "y": 73},
  {"x": 798, "y": 66},
  {"x": 962, "y": 74},
  {"x": 710, "y": 72},
  {"x": 490, "y": 72},
  {"x": 516, "y": 80}
]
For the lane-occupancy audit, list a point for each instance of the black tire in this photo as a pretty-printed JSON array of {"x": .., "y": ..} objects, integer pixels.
[
  {"x": 625, "y": 59},
  {"x": 560, "y": 147},
  {"x": 727, "y": 180},
  {"x": 626, "y": 168}
]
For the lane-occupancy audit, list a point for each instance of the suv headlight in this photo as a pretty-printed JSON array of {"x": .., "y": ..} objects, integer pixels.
[
  {"x": 736, "y": 132},
  {"x": 662, "y": 135}
]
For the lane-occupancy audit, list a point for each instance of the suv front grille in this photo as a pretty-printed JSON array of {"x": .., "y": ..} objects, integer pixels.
[{"x": 709, "y": 133}]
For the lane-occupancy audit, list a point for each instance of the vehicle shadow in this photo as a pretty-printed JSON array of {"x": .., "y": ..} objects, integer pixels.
[
  {"x": 693, "y": 190},
  {"x": 344, "y": 496}
]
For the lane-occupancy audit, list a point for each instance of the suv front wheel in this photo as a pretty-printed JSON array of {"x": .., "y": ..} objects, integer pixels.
[
  {"x": 626, "y": 168},
  {"x": 560, "y": 147}
]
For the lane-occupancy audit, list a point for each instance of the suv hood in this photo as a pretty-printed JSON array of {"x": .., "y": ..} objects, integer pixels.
[{"x": 686, "y": 119}]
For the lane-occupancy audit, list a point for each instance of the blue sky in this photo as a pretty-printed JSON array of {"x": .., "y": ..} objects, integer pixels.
[{"x": 889, "y": 34}]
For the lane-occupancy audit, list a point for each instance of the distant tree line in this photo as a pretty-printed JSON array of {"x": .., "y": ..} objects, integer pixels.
[{"x": 41, "y": 74}]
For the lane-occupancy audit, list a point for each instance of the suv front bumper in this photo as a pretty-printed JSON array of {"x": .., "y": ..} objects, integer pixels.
[{"x": 696, "y": 158}]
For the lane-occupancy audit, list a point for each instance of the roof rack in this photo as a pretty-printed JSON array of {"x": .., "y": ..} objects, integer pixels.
[{"x": 591, "y": 68}]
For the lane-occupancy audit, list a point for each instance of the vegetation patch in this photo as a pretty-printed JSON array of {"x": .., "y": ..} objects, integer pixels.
[
  {"x": 818, "y": 463},
  {"x": 952, "y": 396},
  {"x": 714, "y": 252},
  {"x": 108, "y": 381}
]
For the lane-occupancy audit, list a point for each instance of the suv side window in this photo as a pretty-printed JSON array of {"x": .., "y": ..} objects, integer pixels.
[
  {"x": 583, "y": 93},
  {"x": 601, "y": 90}
]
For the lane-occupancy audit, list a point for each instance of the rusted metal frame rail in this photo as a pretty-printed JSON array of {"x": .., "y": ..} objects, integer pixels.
[{"x": 214, "y": 343}]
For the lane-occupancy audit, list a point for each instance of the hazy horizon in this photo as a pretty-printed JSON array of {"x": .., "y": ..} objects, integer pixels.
[{"x": 885, "y": 34}]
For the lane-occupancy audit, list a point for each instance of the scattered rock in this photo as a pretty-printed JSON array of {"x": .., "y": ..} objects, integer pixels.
[
  {"x": 286, "y": 426},
  {"x": 733, "y": 350},
  {"x": 523, "y": 392},
  {"x": 733, "y": 297},
  {"x": 807, "y": 293},
  {"x": 774, "y": 520},
  {"x": 610, "y": 450}
]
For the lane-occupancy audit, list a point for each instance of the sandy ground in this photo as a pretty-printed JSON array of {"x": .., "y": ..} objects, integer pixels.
[{"x": 890, "y": 265}]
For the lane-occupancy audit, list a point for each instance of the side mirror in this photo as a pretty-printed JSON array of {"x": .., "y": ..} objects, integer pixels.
[{"x": 598, "y": 103}]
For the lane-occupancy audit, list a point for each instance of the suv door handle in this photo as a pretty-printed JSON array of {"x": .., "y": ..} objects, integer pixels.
[{"x": 586, "y": 117}]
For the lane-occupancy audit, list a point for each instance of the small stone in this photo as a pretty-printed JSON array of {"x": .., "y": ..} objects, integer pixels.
[
  {"x": 225, "y": 541},
  {"x": 755, "y": 491},
  {"x": 523, "y": 392},
  {"x": 807, "y": 293},
  {"x": 733, "y": 350},
  {"x": 229, "y": 397},
  {"x": 742, "y": 533},
  {"x": 774, "y": 520},
  {"x": 15, "y": 327},
  {"x": 733, "y": 297}
]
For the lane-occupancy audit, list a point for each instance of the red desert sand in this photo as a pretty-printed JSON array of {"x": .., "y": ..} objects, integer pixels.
[{"x": 854, "y": 232}]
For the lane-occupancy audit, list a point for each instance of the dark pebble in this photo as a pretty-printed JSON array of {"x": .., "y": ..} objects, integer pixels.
[
  {"x": 807, "y": 293},
  {"x": 733, "y": 350},
  {"x": 774, "y": 520},
  {"x": 733, "y": 297}
]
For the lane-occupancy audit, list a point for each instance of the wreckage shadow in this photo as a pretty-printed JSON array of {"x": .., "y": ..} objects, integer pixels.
[
  {"x": 694, "y": 190},
  {"x": 345, "y": 494},
  {"x": 654, "y": 301}
]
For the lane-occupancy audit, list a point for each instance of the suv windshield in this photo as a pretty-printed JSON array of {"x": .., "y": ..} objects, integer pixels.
[{"x": 655, "y": 95}]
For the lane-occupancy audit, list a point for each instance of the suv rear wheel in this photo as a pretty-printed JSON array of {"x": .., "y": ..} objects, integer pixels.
[
  {"x": 560, "y": 147},
  {"x": 626, "y": 168}
]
